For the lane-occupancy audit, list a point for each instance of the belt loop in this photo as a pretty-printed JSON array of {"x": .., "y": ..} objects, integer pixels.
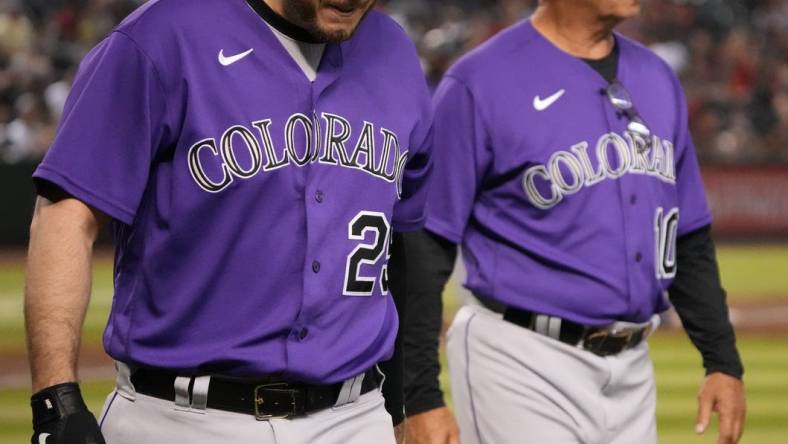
[
  {"x": 655, "y": 321},
  {"x": 355, "y": 390},
  {"x": 554, "y": 327},
  {"x": 123, "y": 381},
  {"x": 350, "y": 391},
  {"x": 181, "y": 386},
  {"x": 540, "y": 326},
  {"x": 200, "y": 393}
]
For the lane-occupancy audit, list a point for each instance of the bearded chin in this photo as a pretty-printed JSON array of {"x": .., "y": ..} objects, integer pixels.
[{"x": 304, "y": 14}]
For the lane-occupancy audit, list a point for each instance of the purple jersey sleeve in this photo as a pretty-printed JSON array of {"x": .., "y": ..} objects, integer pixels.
[
  {"x": 409, "y": 213},
  {"x": 461, "y": 158},
  {"x": 111, "y": 125},
  {"x": 693, "y": 208}
]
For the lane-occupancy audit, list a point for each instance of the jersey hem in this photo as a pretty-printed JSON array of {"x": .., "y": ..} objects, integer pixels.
[
  {"x": 79, "y": 192},
  {"x": 696, "y": 224},
  {"x": 442, "y": 229},
  {"x": 408, "y": 226}
]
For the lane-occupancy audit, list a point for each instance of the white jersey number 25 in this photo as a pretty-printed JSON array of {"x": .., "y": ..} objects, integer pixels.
[{"x": 367, "y": 254}]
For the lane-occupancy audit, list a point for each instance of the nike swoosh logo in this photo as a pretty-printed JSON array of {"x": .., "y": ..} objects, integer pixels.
[
  {"x": 42, "y": 438},
  {"x": 542, "y": 104},
  {"x": 227, "y": 61}
]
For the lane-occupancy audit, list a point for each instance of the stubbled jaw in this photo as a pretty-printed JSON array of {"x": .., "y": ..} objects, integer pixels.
[{"x": 339, "y": 18}]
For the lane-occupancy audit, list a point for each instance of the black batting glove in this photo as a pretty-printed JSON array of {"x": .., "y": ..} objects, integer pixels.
[{"x": 60, "y": 416}]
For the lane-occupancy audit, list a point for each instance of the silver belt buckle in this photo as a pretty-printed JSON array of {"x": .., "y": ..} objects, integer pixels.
[
  {"x": 625, "y": 333},
  {"x": 596, "y": 340},
  {"x": 259, "y": 401}
]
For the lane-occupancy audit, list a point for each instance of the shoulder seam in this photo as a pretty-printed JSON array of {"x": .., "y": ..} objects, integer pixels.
[
  {"x": 156, "y": 71},
  {"x": 150, "y": 5},
  {"x": 483, "y": 118}
]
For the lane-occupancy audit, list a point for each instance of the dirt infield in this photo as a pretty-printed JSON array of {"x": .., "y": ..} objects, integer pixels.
[
  {"x": 767, "y": 317},
  {"x": 754, "y": 317},
  {"x": 94, "y": 364},
  {"x": 18, "y": 255}
]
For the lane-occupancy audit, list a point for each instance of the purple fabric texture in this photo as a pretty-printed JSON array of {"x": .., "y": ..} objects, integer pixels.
[
  {"x": 253, "y": 207},
  {"x": 556, "y": 208}
]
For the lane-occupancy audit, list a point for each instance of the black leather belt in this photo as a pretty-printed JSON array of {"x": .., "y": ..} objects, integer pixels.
[
  {"x": 601, "y": 341},
  {"x": 264, "y": 398}
]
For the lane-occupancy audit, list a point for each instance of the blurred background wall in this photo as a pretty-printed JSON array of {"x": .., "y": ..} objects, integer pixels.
[{"x": 732, "y": 57}]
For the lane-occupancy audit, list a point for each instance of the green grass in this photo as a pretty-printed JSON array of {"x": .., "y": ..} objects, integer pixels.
[
  {"x": 679, "y": 376},
  {"x": 749, "y": 272},
  {"x": 12, "y": 333},
  {"x": 754, "y": 271}
]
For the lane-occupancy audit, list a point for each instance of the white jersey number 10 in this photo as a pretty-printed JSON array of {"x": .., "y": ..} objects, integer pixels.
[{"x": 666, "y": 226}]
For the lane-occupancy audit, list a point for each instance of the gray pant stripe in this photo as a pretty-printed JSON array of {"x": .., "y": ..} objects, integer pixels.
[
  {"x": 109, "y": 406},
  {"x": 468, "y": 378}
]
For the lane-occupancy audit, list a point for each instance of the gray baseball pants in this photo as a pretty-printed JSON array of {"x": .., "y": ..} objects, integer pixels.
[
  {"x": 512, "y": 385},
  {"x": 133, "y": 418}
]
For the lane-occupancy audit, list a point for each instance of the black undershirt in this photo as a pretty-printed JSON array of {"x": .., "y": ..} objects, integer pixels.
[
  {"x": 607, "y": 66},
  {"x": 280, "y": 23},
  {"x": 696, "y": 294}
]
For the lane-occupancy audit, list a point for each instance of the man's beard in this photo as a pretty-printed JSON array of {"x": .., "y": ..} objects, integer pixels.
[{"x": 304, "y": 14}]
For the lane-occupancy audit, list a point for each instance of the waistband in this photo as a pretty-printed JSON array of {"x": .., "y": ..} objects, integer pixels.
[
  {"x": 601, "y": 340},
  {"x": 265, "y": 397}
]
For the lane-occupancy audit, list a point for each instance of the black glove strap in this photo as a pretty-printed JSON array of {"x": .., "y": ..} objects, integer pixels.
[{"x": 56, "y": 402}]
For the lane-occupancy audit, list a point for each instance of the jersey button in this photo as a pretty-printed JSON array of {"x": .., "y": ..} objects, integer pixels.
[
  {"x": 319, "y": 196},
  {"x": 638, "y": 257},
  {"x": 303, "y": 333},
  {"x": 316, "y": 266},
  {"x": 633, "y": 199}
]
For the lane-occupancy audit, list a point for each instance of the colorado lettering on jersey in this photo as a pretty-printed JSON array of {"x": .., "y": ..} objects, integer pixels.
[
  {"x": 332, "y": 149},
  {"x": 568, "y": 172}
]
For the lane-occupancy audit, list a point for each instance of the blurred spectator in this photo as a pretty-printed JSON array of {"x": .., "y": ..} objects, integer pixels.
[
  {"x": 16, "y": 32},
  {"x": 732, "y": 57},
  {"x": 29, "y": 135}
]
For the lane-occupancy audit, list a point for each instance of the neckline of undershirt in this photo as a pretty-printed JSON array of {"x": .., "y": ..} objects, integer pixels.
[
  {"x": 607, "y": 66},
  {"x": 280, "y": 23},
  {"x": 305, "y": 51}
]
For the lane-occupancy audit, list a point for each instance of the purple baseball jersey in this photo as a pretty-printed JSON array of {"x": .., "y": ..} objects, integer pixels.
[
  {"x": 557, "y": 208},
  {"x": 253, "y": 208}
]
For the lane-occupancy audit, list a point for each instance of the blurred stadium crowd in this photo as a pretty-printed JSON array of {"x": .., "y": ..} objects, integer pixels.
[{"x": 732, "y": 56}]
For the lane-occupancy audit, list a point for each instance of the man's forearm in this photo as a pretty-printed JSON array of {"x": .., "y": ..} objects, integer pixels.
[{"x": 57, "y": 288}]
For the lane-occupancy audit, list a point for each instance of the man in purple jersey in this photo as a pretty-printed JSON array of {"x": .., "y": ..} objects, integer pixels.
[
  {"x": 565, "y": 169},
  {"x": 254, "y": 159}
]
